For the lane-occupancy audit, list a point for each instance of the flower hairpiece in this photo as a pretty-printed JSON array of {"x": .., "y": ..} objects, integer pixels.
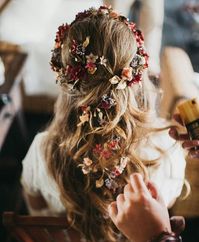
[
  {"x": 87, "y": 63},
  {"x": 108, "y": 176},
  {"x": 98, "y": 112}
]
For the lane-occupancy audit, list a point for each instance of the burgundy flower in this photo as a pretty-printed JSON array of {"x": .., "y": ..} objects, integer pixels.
[
  {"x": 62, "y": 30},
  {"x": 83, "y": 15},
  {"x": 74, "y": 73},
  {"x": 137, "y": 78}
]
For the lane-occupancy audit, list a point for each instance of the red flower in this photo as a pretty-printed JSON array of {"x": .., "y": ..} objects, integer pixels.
[
  {"x": 91, "y": 67},
  {"x": 74, "y": 73},
  {"x": 116, "y": 172},
  {"x": 83, "y": 15},
  {"x": 113, "y": 144},
  {"x": 98, "y": 149},
  {"x": 74, "y": 47},
  {"x": 137, "y": 78},
  {"x": 106, "y": 154},
  {"x": 139, "y": 37},
  {"x": 105, "y": 105},
  {"x": 62, "y": 30}
]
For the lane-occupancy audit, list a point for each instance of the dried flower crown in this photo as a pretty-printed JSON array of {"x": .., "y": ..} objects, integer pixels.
[
  {"x": 84, "y": 64},
  {"x": 87, "y": 63}
]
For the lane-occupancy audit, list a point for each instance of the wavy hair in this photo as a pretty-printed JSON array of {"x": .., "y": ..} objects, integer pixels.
[{"x": 67, "y": 143}]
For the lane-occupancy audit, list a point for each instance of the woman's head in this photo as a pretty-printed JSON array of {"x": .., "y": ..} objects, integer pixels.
[
  {"x": 97, "y": 45},
  {"x": 100, "y": 115}
]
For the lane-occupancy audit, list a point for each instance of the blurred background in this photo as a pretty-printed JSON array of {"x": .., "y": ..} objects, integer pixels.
[{"x": 28, "y": 90}]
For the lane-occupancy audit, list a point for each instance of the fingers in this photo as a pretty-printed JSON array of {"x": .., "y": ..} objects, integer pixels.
[
  {"x": 177, "y": 224},
  {"x": 189, "y": 144},
  {"x": 194, "y": 153},
  {"x": 175, "y": 135},
  {"x": 178, "y": 119},
  {"x": 128, "y": 192},
  {"x": 137, "y": 183},
  {"x": 153, "y": 190},
  {"x": 120, "y": 202}
]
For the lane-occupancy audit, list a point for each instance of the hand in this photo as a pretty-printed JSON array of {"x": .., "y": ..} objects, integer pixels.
[
  {"x": 140, "y": 213},
  {"x": 192, "y": 146}
]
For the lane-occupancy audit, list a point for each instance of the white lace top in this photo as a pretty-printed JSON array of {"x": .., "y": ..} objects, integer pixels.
[{"x": 169, "y": 176}]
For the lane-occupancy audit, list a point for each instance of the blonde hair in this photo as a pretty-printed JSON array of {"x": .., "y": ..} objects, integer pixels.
[{"x": 67, "y": 143}]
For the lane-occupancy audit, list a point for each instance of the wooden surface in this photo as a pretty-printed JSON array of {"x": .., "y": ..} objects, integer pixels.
[
  {"x": 10, "y": 93},
  {"x": 13, "y": 62},
  {"x": 39, "y": 229}
]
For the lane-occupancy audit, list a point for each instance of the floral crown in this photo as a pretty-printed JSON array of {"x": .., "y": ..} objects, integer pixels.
[
  {"x": 84, "y": 64},
  {"x": 88, "y": 63}
]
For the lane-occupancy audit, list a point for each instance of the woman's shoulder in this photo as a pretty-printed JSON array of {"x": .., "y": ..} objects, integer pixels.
[
  {"x": 35, "y": 151},
  {"x": 39, "y": 137}
]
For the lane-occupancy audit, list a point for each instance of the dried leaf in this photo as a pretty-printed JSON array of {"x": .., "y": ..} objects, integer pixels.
[
  {"x": 86, "y": 42},
  {"x": 99, "y": 183}
]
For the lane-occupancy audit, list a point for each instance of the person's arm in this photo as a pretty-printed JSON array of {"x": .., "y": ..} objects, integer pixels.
[
  {"x": 30, "y": 180},
  {"x": 140, "y": 213},
  {"x": 151, "y": 22},
  {"x": 36, "y": 205}
]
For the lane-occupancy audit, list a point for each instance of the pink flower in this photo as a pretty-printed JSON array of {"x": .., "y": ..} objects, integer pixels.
[
  {"x": 116, "y": 172},
  {"x": 106, "y": 154},
  {"x": 113, "y": 145},
  {"x": 98, "y": 149},
  {"x": 137, "y": 78},
  {"x": 127, "y": 73},
  {"x": 91, "y": 68},
  {"x": 91, "y": 58}
]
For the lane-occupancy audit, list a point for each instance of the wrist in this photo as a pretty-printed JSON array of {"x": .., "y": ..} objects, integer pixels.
[{"x": 166, "y": 237}]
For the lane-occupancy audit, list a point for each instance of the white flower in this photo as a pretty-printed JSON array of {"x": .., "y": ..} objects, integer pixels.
[
  {"x": 121, "y": 85},
  {"x": 91, "y": 58},
  {"x": 103, "y": 61},
  {"x": 87, "y": 161},
  {"x": 115, "y": 80}
]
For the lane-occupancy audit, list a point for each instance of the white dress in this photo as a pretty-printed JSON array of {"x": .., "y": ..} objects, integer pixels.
[{"x": 169, "y": 176}]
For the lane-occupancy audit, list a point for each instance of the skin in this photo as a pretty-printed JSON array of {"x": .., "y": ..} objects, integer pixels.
[
  {"x": 36, "y": 202},
  {"x": 140, "y": 213},
  {"x": 192, "y": 146}
]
